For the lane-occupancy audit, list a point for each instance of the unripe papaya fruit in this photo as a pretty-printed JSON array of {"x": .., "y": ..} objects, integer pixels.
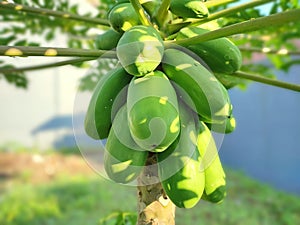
[
  {"x": 215, "y": 183},
  {"x": 107, "y": 40},
  {"x": 179, "y": 166},
  {"x": 140, "y": 50},
  {"x": 189, "y": 8},
  {"x": 123, "y": 158},
  {"x": 197, "y": 86},
  {"x": 153, "y": 111},
  {"x": 98, "y": 118},
  {"x": 221, "y": 55},
  {"x": 217, "y": 196},
  {"x": 122, "y": 17}
]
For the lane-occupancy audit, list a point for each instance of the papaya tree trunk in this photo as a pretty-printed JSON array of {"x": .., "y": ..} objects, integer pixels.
[{"x": 154, "y": 206}]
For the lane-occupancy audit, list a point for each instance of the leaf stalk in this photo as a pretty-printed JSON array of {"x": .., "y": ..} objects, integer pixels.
[
  {"x": 265, "y": 80},
  {"x": 277, "y": 19},
  {"x": 45, "y": 66},
  {"x": 53, "y": 52},
  {"x": 141, "y": 12}
]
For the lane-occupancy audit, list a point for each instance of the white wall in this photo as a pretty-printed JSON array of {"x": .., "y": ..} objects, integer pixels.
[{"x": 23, "y": 110}]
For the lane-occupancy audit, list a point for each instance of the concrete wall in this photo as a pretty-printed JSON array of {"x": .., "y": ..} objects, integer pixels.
[{"x": 266, "y": 142}]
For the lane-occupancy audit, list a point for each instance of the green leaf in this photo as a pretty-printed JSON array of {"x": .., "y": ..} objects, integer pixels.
[
  {"x": 279, "y": 61},
  {"x": 33, "y": 44},
  {"x": 6, "y": 40},
  {"x": 49, "y": 35},
  {"x": 21, "y": 42},
  {"x": 18, "y": 79},
  {"x": 119, "y": 218},
  {"x": 286, "y": 66}
]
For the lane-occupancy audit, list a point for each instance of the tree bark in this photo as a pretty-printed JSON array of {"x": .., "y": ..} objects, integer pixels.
[{"x": 154, "y": 206}]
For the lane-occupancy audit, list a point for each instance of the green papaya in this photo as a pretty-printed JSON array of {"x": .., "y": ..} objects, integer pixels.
[
  {"x": 221, "y": 55},
  {"x": 122, "y": 17},
  {"x": 140, "y": 50},
  {"x": 179, "y": 166},
  {"x": 217, "y": 196},
  {"x": 98, "y": 118},
  {"x": 107, "y": 40},
  {"x": 197, "y": 86},
  {"x": 189, "y": 8},
  {"x": 215, "y": 183},
  {"x": 153, "y": 111},
  {"x": 123, "y": 158},
  {"x": 228, "y": 126}
]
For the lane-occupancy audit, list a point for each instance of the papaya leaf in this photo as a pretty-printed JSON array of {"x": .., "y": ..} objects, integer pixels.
[
  {"x": 289, "y": 64},
  {"x": 6, "y": 40},
  {"x": 17, "y": 78}
]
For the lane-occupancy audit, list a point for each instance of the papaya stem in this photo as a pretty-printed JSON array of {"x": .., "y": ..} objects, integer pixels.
[
  {"x": 265, "y": 80},
  {"x": 45, "y": 66},
  {"x": 53, "y": 52},
  {"x": 154, "y": 206},
  {"x": 141, "y": 12},
  {"x": 54, "y": 13},
  {"x": 243, "y": 27},
  {"x": 162, "y": 12}
]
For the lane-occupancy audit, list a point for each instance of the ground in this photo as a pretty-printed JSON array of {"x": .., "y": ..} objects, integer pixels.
[{"x": 39, "y": 168}]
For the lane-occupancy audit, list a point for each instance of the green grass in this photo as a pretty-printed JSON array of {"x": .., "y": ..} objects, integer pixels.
[
  {"x": 69, "y": 200},
  {"x": 80, "y": 200}
]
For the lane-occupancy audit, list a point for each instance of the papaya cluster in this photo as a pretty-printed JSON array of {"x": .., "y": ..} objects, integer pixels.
[{"x": 164, "y": 101}]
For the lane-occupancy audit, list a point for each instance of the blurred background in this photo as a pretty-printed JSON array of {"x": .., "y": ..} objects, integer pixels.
[{"x": 45, "y": 180}]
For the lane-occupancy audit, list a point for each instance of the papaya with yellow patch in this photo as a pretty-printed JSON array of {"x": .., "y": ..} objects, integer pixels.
[
  {"x": 122, "y": 17},
  {"x": 108, "y": 96},
  {"x": 221, "y": 54},
  {"x": 215, "y": 178},
  {"x": 123, "y": 158},
  {"x": 197, "y": 86},
  {"x": 179, "y": 167},
  {"x": 107, "y": 40},
  {"x": 153, "y": 111},
  {"x": 140, "y": 50},
  {"x": 189, "y": 8}
]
